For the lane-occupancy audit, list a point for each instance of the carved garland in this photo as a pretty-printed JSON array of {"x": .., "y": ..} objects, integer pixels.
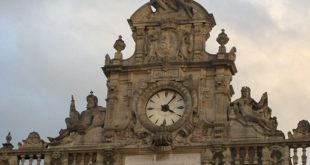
[{"x": 142, "y": 95}]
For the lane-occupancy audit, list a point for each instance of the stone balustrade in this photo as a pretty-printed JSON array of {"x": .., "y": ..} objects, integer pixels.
[
  {"x": 282, "y": 152},
  {"x": 302, "y": 157}
]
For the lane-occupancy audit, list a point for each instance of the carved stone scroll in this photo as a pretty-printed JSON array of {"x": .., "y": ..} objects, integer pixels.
[
  {"x": 301, "y": 132},
  {"x": 33, "y": 141}
]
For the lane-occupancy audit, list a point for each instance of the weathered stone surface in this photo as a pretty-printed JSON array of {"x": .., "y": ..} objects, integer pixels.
[{"x": 166, "y": 159}]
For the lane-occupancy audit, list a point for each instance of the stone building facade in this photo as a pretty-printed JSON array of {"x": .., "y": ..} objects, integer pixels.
[{"x": 168, "y": 104}]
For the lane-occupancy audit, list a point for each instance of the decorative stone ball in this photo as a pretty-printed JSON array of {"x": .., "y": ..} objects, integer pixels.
[
  {"x": 120, "y": 44},
  {"x": 222, "y": 38}
]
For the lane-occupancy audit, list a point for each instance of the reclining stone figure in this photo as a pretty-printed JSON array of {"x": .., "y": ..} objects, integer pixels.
[{"x": 254, "y": 112}]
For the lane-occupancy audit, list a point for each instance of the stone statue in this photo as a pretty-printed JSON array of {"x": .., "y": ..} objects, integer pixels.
[
  {"x": 151, "y": 47},
  {"x": 186, "y": 49},
  {"x": 93, "y": 116},
  {"x": 255, "y": 112}
]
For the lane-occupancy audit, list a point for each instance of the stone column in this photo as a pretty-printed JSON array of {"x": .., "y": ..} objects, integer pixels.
[
  {"x": 255, "y": 158},
  {"x": 266, "y": 156},
  {"x": 247, "y": 158},
  {"x": 227, "y": 156},
  {"x": 30, "y": 159},
  {"x": 222, "y": 83},
  {"x": 295, "y": 157},
  {"x": 118, "y": 159},
  {"x": 47, "y": 159},
  {"x": 286, "y": 155},
  {"x": 304, "y": 155},
  {"x": 99, "y": 159},
  {"x": 237, "y": 162},
  {"x": 22, "y": 160},
  {"x": 74, "y": 159},
  {"x": 199, "y": 41},
  {"x": 13, "y": 160},
  {"x": 207, "y": 157},
  {"x": 65, "y": 159},
  {"x": 140, "y": 38}
]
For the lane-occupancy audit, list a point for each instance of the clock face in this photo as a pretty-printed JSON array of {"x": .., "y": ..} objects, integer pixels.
[{"x": 165, "y": 107}]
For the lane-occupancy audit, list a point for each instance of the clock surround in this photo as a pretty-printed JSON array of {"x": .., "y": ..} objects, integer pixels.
[{"x": 141, "y": 98}]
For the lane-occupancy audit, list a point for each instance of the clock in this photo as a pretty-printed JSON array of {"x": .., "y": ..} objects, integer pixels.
[{"x": 165, "y": 107}]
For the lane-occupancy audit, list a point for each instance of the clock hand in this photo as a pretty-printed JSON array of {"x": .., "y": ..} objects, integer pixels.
[
  {"x": 171, "y": 111},
  {"x": 174, "y": 96},
  {"x": 165, "y": 108}
]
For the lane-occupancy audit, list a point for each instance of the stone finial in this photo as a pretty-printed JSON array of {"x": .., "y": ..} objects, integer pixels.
[
  {"x": 8, "y": 145},
  {"x": 72, "y": 98},
  {"x": 72, "y": 105},
  {"x": 72, "y": 101},
  {"x": 119, "y": 44},
  {"x": 222, "y": 39}
]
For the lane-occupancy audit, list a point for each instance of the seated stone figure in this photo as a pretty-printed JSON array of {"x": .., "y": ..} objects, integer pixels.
[
  {"x": 93, "y": 116},
  {"x": 255, "y": 112}
]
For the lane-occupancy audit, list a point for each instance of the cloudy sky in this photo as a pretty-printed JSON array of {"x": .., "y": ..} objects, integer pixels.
[{"x": 51, "y": 49}]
